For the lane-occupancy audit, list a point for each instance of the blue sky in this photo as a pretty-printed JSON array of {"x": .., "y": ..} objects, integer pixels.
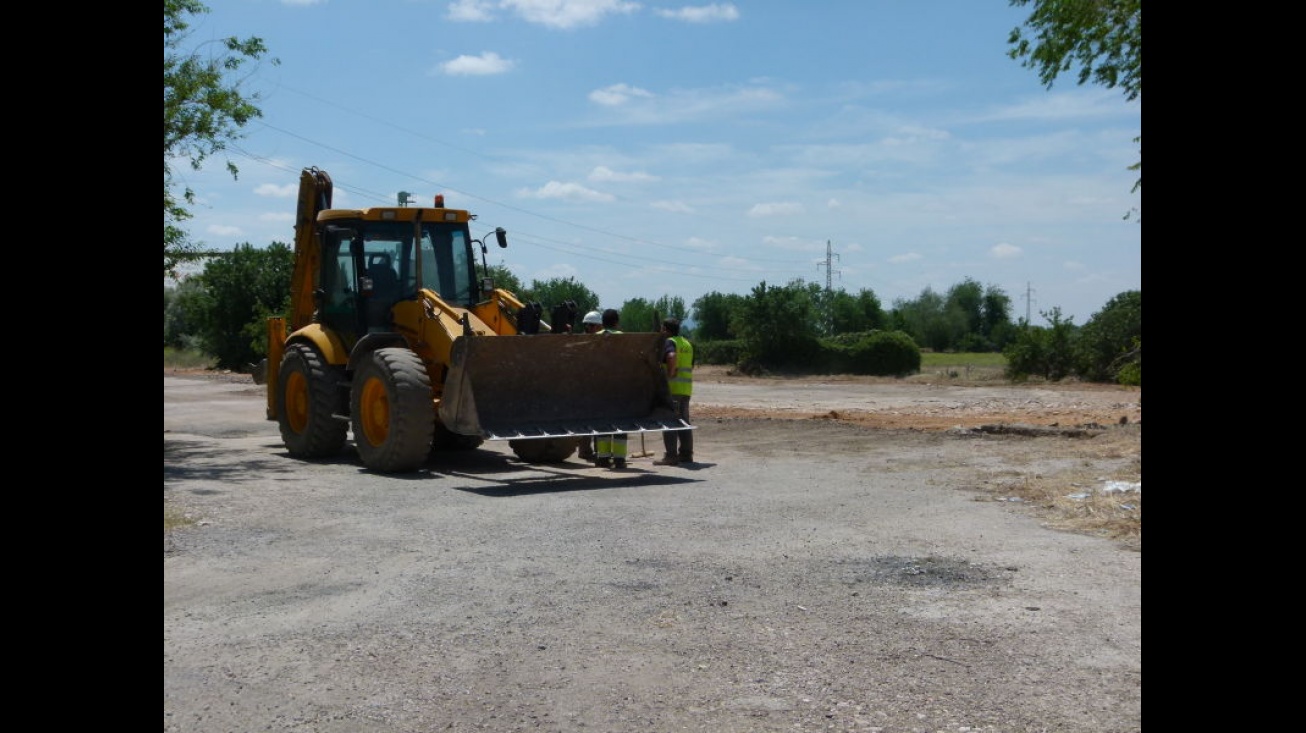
[{"x": 655, "y": 148}]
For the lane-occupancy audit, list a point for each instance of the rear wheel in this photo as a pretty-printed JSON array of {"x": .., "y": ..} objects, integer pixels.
[
  {"x": 392, "y": 411},
  {"x": 544, "y": 450},
  {"x": 307, "y": 399}
]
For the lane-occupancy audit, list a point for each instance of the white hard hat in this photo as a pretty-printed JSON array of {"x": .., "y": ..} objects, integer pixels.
[{"x": 593, "y": 317}]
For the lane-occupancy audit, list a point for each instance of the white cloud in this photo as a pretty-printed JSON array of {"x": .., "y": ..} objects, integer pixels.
[
  {"x": 702, "y": 13},
  {"x": 737, "y": 263},
  {"x": 277, "y": 217},
  {"x": 560, "y": 270},
  {"x": 470, "y": 11},
  {"x": 1079, "y": 104},
  {"x": 639, "y": 106},
  {"x": 566, "y": 192},
  {"x": 1005, "y": 251},
  {"x": 793, "y": 244},
  {"x": 223, "y": 230},
  {"x": 617, "y": 94},
  {"x": 484, "y": 65},
  {"x": 904, "y": 258},
  {"x": 603, "y": 173},
  {"x": 567, "y": 13},
  {"x": 776, "y": 209},
  {"x": 290, "y": 190},
  {"x": 833, "y": 204},
  {"x": 301, "y": 2},
  {"x": 675, "y": 207}
]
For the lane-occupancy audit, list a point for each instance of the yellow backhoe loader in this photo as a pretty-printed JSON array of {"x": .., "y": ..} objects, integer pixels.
[{"x": 394, "y": 338}]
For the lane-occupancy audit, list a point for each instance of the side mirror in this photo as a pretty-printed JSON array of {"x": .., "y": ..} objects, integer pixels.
[{"x": 502, "y": 235}]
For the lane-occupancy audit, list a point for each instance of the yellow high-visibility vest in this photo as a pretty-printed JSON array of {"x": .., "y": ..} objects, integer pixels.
[{"x": 683, "y": 382}]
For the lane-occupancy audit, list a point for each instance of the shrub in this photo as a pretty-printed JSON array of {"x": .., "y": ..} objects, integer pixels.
[
  {"x": 718, "y": 352},
  {"x": 876, "y": 353}
]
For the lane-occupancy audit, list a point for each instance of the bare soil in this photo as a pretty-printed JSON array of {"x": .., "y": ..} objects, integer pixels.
[{"x": 851, "y": 554}]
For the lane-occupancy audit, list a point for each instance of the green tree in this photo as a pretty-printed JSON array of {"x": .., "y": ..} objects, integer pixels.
[
  {"x": 995, "y": 317},
  {"x": 504, "y": 278},
  {"x": 671, "y": 306},
  {"x": 856, "y": 313},
  {"x": 1044, "y": 352},
  {"x": 556, "y": 291},
  {"x": 778, "y": 326},
  {"x": 1112, "y": 338},
  {"x": 180, "y": 311},
  {"x": 713, "y": 316},
  {"x": 637, "y": 314},
  {"x": 204, "y": 109},
  {"x": 925, "y": 319},
  {"x": 966, "y": 299},
  {"x": 240, "y": 290},
  {"x": 1104, "y": 38}
]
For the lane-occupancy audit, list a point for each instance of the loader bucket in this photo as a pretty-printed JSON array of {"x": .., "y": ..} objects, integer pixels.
[{"x": 557, "y": 385}]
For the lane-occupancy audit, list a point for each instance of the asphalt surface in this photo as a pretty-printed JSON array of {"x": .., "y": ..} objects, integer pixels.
[{"x": 804, "y": 575}]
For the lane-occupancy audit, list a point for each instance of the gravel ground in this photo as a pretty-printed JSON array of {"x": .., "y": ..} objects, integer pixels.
[{"x": 811, "y": 572}]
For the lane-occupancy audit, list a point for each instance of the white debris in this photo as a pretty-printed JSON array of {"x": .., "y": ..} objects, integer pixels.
[{"x": 1113, "y": 486}]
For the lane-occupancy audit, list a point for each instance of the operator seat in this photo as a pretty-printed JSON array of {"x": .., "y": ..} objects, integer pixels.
[{"x": 385, "y": 290}]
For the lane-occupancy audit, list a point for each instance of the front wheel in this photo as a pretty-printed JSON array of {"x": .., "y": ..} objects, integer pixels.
[{"x": 393, "y": 412}]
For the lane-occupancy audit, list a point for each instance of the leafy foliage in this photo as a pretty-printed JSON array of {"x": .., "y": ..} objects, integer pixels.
[
  {"x": 181, "y": 310},
  {"x": 638, "y": 314},
  {"x": 237, "y": 293},
  {"x": 222, "y": 312},
  {"x": 879, "y": 353},
  {"x": 713, "y": 314},
  {"x": 1113, "y": 339},
  {"x": 504, "y": 278},
  {"x": 556, "y": 291},
  {"x": 1104, "y": 38},
  {"x": 777, "y": 325},
  {"x": 1109, "y": 348},
  {"x": 1044, "y": 352},
  {"x": 204, "y": 110},
  {"x": 853, "y": 313}
]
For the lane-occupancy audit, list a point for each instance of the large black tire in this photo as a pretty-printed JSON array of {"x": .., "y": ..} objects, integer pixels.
[
  {"x": 392, "y": 411},
  {"x": 307, "y": 399},
  {"x": 544, "y": 450},
  {"x": 447, "y": 440}
]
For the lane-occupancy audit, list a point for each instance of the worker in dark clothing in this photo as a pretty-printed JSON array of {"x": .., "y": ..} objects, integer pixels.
[{"x": 678, "y": 358}]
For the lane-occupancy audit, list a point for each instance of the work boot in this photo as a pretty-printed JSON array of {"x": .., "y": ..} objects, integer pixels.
[
  {"x": 667, "y": 460},
  {"x": 603, "y": 462},
  {"x": 618, "y": 463},
  {"x": 686, "y": 459}
]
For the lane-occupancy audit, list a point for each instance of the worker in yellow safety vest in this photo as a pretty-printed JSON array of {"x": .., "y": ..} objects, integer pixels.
[
  {"x": 592, "y": 322},
  {"x": 678, "y": 358},
  {"x": 610, "y": 449}
]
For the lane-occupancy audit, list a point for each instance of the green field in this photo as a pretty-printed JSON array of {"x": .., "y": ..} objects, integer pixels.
[{"x": 986, "y": 365}]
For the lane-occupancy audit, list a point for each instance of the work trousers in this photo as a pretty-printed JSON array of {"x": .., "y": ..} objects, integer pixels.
[
  {"x": 679, "y": 443},
  {"x": 611, "y": 446}
]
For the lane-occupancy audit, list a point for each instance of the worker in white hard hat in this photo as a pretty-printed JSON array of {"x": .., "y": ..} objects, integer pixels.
[
  {"x": 610, "y": 450},
  {"x": 592, "y": 322}
]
